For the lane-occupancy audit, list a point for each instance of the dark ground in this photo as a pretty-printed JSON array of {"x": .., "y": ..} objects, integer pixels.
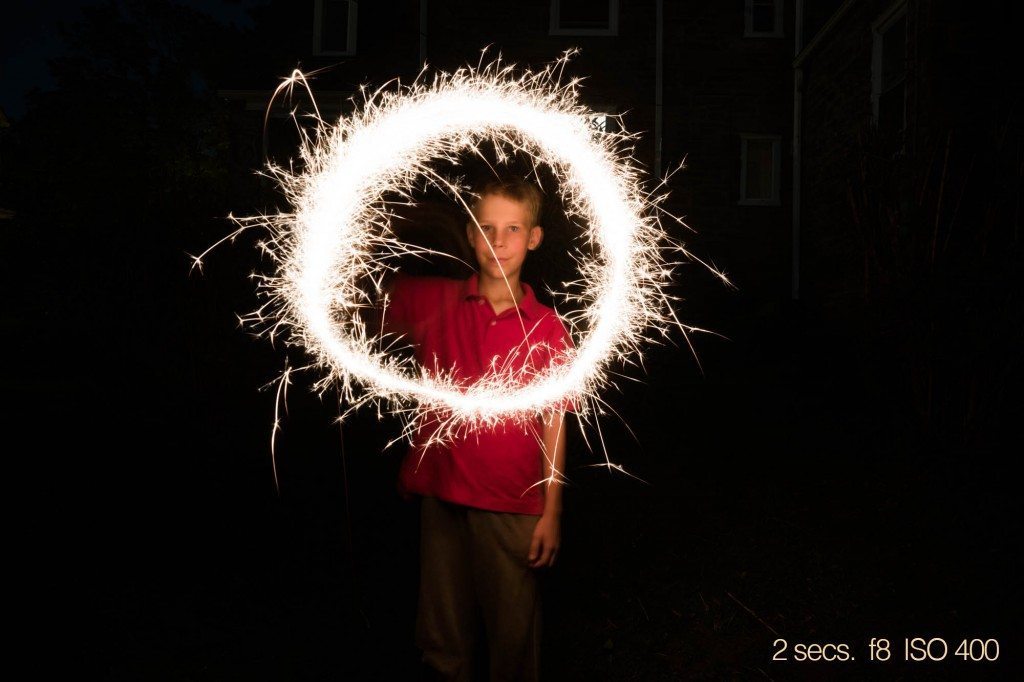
[{"x": 777, "y": 505}]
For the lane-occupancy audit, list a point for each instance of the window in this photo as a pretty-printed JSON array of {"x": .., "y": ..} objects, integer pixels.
[
  {"x": 604, "y": 117},
  {"x": 334, "y": 27},
  {"x": 763, "y": 19},
  {"x": 889, "y": 74},
  {"x": 584, "y": 17},
  {"x": 760, "y": 169}
]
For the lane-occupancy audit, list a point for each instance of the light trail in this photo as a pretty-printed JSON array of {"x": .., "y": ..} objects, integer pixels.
[{"x": 338, "y": 237}]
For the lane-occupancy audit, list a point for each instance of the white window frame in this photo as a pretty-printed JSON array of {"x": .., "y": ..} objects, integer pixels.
[
  {"x": 556, "y": 29},
  {"x": 318, "y": 18},
  {"x": 610, "y": 115},
  {"x": 775, "y": 198},
  {"x": 878, "y": 30},
  {"x": 748, "y": 21}
]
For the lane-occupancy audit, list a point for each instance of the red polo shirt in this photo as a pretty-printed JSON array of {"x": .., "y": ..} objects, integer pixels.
[{"x": 454, "y": 329}]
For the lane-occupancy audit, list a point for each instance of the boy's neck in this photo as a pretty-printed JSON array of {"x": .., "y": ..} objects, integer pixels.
[{"x": 496, "y": 291}]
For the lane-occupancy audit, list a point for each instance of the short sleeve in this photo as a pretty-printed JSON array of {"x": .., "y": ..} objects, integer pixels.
[
  {"x": 560, "y": 347},
  {"x": 397, "y": 319},
  {"x": 559, "y": 339}
]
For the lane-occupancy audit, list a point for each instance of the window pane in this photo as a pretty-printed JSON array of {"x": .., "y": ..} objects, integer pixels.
[
  {"x": 894, "y": 53},
  {"x": 584, "y": 14},
  {"x": 334, "y": 29},
  {"x": 763, "y": 17},
  {"x": 759, "y": 169}
]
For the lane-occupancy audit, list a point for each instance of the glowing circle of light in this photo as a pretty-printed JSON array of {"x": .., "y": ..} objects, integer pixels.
[{"x": 326, "y": 245}]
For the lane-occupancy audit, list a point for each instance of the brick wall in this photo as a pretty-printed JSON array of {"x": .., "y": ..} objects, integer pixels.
[
  {"x": 836, "y": 129},
  {"x": 717, "y": 84}
]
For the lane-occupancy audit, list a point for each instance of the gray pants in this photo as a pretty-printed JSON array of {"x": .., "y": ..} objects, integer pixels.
[{"x": 474, "y": 577}]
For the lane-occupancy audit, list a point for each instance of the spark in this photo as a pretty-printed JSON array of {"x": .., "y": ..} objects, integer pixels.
[
  {"x": 280, "y": 396},
  {"x": 337, "y": 237}
]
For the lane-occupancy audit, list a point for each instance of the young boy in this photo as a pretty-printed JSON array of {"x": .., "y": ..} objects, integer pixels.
[{"x": 486, "y": 527}]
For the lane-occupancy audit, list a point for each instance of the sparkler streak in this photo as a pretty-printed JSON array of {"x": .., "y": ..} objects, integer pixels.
[
  {"x": 280, "y": 394},
  {"x": 339, "y": 237}
]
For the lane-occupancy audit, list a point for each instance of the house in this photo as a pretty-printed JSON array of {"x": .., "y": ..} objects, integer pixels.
[
  {"x": 895, "y": 103},
  {"x": 705, "y": 82}
]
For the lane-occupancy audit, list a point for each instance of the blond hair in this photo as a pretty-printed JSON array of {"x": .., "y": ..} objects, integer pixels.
[{"x": 511, "y": 187}]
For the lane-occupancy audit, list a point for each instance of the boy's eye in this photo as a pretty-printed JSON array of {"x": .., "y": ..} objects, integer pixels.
[{"x": 513, "y": 228}]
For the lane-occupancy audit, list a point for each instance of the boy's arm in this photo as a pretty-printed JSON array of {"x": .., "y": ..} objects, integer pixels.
[{"x": 547, "y": 533}]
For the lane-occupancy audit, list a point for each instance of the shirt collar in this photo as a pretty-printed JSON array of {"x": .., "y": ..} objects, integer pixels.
[{"x": 528, "y": 305}]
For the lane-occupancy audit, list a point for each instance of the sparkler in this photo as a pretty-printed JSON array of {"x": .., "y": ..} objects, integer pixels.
[{"x": 338, "y": 237}]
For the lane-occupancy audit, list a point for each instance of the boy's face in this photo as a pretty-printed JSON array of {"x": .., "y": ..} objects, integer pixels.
[{"x": 506, "y": 226}]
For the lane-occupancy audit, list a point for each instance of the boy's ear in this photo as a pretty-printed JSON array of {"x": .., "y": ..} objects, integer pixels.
[{"x": 536, "y": 237}]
